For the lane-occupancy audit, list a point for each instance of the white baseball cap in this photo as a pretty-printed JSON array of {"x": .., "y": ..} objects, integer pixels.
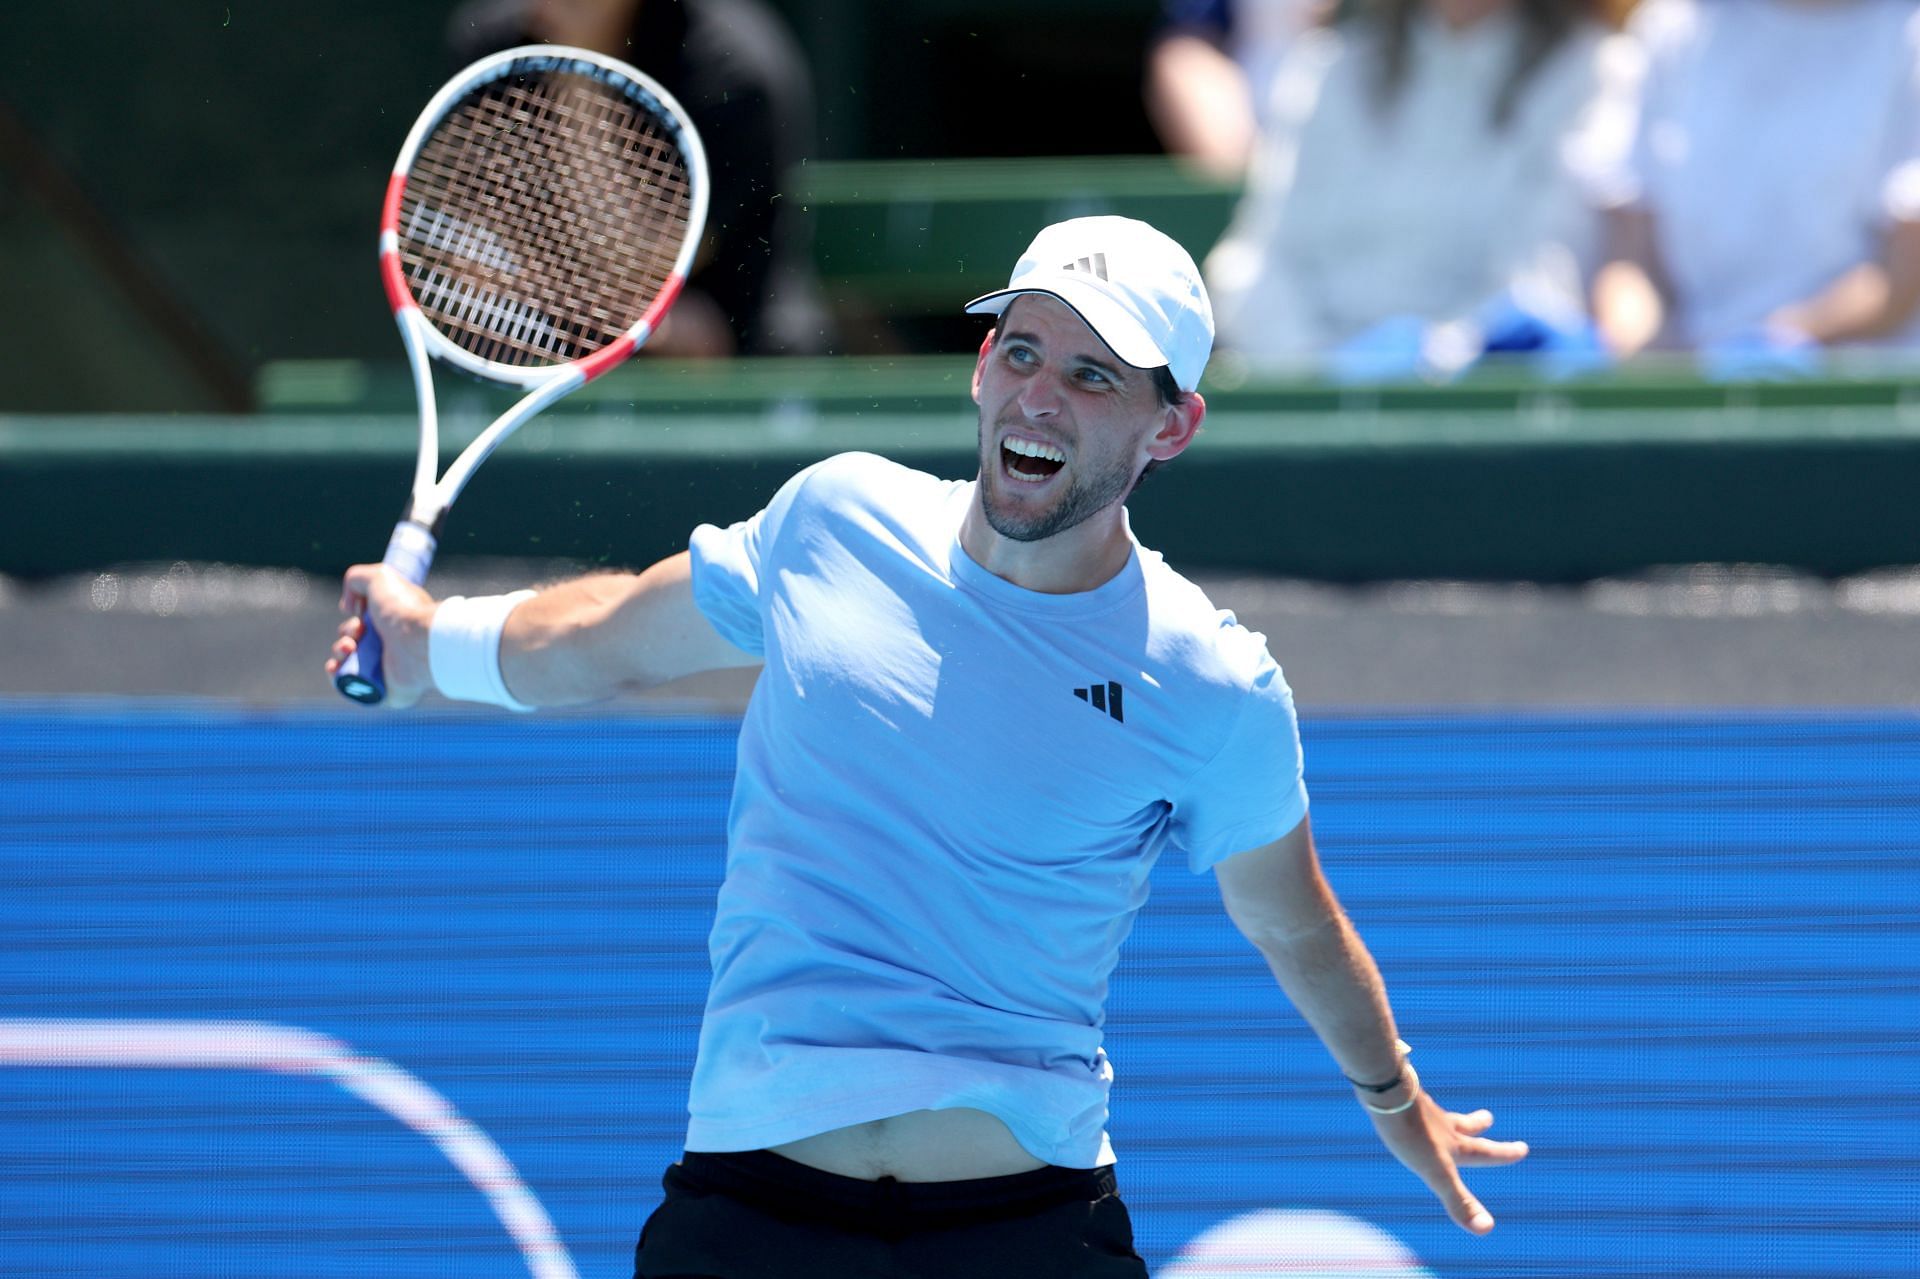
[{"x": 1132, "y": 284}]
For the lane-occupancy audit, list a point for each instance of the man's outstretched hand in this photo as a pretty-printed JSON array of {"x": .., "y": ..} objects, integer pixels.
[{"x": 1435, "y": 1144}]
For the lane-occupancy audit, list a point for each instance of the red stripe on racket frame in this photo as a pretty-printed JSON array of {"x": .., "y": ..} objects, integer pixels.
[
  {"x": 399, "y": 296},
  {"x": 619, "y": 349}
]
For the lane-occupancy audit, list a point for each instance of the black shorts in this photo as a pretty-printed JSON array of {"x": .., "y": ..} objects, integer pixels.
[{"x": 757, "y": 1215}]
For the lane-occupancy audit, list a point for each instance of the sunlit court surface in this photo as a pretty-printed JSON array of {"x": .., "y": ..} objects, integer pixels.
[
  {"x": 1598, "y": 596},
  {"x": 1671, "y": 946}
]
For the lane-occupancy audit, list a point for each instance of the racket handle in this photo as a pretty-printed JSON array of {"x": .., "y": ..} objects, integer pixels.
[{"x": 410, "y": 554}]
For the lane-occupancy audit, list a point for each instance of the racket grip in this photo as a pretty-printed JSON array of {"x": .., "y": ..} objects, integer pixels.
[{"x": 410, "y": 554}]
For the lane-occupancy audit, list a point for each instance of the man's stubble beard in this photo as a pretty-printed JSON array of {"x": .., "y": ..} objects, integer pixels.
[{"x": 1085, "y": 497}]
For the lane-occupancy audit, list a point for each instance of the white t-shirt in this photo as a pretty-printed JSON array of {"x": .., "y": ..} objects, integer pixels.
[
  {"x": 1773, "y": 142},
  {"x": 1354, "y": 215},
  {"x": 950, "y": 792},
  {"x": 1262, "y": 32}
]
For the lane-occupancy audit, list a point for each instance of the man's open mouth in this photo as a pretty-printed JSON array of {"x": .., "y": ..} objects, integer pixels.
[{"x": 1028, "y": 460}]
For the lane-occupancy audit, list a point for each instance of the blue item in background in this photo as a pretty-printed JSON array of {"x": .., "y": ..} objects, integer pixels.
[
  {"x": 1762, "y": 355},
  {"x": 1404, "y": 347},
  {"x": 1555, "y": 349},
  {"x": 1389, "y": 351},
  {"x": 1675, "y": 953}
]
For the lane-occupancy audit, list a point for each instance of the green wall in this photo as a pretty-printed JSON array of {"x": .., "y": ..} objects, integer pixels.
[{"x": 1473, "y": 482}]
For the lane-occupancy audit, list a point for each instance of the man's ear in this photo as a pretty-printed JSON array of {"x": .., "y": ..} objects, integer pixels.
[
  {"x": 980, "y": 364},
  {"x": 1179, "y": 424}
]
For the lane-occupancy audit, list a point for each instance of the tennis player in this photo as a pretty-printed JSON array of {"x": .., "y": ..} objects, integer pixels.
[{"x": 984, "y": 712}]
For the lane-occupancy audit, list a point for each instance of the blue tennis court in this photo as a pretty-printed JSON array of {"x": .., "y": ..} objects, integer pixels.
[{"x": 1678, "y": 954}]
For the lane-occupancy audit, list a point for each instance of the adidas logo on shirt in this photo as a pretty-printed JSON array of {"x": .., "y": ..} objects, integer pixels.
[{"x": 1103, "y": 697}]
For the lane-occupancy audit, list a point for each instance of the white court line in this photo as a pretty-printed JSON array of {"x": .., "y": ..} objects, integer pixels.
[{"x": 290, "y": 1050}]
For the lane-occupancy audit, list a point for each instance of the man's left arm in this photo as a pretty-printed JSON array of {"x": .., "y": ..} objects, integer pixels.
[{"x": 1282, "y": 903}]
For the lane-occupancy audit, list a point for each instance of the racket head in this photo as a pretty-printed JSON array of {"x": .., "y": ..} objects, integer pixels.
[{"x": 543, "y": 214}]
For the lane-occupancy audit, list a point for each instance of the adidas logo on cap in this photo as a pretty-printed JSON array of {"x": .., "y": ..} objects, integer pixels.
[{"x": 1094, "y": 265}]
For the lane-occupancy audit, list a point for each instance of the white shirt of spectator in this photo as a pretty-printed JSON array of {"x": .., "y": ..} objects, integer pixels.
[
  {"x": 1263, "y": 31},
  {"x": 1354, "y": 215},
  {"x": 1773, "y": 141}
]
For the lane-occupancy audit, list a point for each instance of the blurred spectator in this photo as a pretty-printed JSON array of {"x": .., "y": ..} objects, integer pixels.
[
  {"x": 1769, "y": 202},
  {"x": 1210, "y": 70},
  {"x": 740, "y": 75},
  {"x": 1413, "y": 203}
]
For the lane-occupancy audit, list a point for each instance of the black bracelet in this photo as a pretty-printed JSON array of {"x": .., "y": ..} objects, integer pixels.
[{"x": 1399, "y": 1077}]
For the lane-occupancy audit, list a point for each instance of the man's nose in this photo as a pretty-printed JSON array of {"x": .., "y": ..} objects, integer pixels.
[{"x": 1039, "y": 398}]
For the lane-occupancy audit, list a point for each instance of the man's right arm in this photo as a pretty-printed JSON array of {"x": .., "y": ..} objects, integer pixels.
[
  {"x": 598, "y": 636},
  {"x": 579, "y": 641}
]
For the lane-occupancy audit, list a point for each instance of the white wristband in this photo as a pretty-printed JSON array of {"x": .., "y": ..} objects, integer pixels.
[{"x": 463, "y": 648}]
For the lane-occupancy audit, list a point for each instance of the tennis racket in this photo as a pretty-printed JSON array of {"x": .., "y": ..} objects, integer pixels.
[{"x": 541, "y": 219}]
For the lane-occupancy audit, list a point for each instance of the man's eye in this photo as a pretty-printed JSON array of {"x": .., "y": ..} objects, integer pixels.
[
  {"x": 1094, "y": 377},
  {"x": 1019, "y": 355}
]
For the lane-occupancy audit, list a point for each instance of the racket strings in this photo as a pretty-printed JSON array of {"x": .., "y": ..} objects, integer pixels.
[{"x": 543, "y": 217}]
